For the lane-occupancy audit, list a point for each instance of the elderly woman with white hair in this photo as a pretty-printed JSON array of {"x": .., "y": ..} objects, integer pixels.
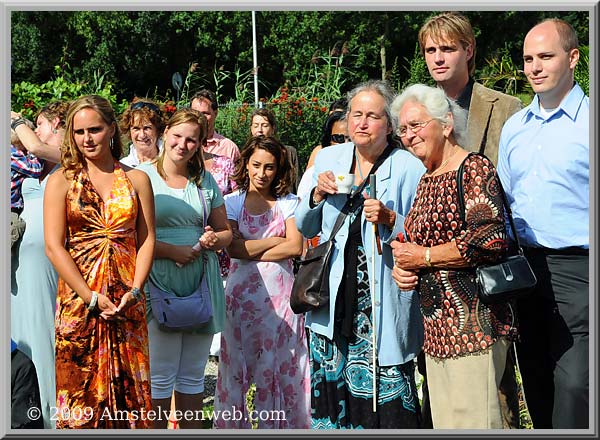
[{"x": 466, "y": 341}]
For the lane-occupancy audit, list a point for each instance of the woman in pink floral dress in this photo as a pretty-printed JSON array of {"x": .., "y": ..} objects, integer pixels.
[{"x": 263, "y": 342}]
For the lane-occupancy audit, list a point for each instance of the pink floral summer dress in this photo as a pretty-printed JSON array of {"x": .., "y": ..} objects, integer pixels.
[{"x": 263, "y": 341}]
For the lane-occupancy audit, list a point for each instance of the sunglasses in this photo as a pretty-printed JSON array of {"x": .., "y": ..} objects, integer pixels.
[
  {"x": 339, "y": 138},
  {"x": 141, "y": 104}
]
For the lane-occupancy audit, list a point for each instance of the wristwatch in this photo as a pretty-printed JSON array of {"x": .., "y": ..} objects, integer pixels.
[{"x": 136, "y": 293}]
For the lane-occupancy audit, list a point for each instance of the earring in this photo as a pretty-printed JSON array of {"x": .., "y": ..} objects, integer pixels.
[
  {"x": 54, "y": 130},
  {"x": 111, "y": 143}
]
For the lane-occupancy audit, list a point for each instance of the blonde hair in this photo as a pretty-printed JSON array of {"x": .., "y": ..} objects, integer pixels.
[
  {"x": 196, "y": 163},
  {"x": 452, "y": 26}
]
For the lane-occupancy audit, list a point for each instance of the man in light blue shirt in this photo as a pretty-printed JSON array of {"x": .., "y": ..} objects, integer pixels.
[{"x": 543, "y": 164}]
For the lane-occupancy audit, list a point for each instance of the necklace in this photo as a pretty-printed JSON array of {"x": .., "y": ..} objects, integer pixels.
[
  {"x": 358, "y": 166},
  {"x": 444, "y": 163}
]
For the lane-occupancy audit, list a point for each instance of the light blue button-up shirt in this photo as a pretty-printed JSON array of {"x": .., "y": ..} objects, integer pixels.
[{"x": 544, "y": 166}]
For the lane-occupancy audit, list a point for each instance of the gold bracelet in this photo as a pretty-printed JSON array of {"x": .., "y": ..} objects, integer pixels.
[{"x": 427, "y": 257}]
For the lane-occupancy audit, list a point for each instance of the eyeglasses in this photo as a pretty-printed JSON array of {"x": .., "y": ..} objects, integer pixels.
[
  {"x": 415, "y": 127},
  {"x": 141, "y": 104},
  {"x": 339, "y": 138}
]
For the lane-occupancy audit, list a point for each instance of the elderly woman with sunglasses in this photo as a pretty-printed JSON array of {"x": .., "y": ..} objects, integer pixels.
[
  {"x": 143, "y": 123},
  {"x": 466, "y": 341}
]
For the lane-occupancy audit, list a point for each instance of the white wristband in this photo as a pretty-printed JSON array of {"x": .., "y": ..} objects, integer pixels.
[{"x": 93, "y": 302}]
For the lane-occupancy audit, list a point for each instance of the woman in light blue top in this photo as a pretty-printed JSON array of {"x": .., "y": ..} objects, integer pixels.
[
  {"x": 180, "y": 184},
  {"x": 342, "y": 332}
]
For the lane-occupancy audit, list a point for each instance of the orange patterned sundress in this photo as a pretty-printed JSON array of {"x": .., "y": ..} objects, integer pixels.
[{"x": 102, "y": 367}]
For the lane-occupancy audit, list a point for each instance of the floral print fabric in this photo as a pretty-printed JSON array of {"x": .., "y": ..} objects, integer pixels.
[
  {"x": 456, "y": 322},
  {"x": 222, "y": 169},
  {"x": 102, "y": 366},
  {"x": 263, "y": 342}
]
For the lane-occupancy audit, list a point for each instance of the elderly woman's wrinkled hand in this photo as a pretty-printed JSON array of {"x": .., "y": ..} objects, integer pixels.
[
  {"x": 408, "y": 256},
  {"x": 325, "y": 185},
  {"x": 376, "y": 212},
  {"x": 405, "y": 279}
]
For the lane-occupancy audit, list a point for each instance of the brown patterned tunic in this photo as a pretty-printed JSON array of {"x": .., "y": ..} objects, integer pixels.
[{"x": 456, "y": 322}]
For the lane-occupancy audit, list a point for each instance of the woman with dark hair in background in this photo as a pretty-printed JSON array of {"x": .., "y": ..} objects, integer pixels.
[{"x": 335, "y": 131}]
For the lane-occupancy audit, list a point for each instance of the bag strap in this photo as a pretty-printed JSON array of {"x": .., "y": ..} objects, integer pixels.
[
  {"x": 461, "y": 199},
  {"x": 350, "y": 204},
  {"x": 205, "y": 222}
]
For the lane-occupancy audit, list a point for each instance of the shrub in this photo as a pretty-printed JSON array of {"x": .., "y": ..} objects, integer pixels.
[{"x": 28, "y": 98}]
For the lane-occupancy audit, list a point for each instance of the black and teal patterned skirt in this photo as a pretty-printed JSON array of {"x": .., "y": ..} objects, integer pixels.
[{"x": 342, "y": 377}]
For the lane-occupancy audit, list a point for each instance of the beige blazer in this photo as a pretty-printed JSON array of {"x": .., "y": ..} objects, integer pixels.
[{"x": 488, "y": 112}]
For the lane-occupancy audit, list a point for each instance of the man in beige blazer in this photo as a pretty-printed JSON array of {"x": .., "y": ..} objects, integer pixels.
[{"x": 447, "y": 42}]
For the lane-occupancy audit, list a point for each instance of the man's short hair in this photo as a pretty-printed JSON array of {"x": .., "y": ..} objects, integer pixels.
[
  {"x": 209, "y": 95},
  {"x": 566, "y": 33},
  {"x": 449, "y": 25}
]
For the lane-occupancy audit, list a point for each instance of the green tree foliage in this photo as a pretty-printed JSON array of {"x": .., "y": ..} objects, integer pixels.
[{"x": 138, "y": 51}]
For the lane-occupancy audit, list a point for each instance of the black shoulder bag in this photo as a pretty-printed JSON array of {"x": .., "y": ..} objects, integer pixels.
[
  {"x": 508, "y": 279},
  {"x": 311, "y": 285}
]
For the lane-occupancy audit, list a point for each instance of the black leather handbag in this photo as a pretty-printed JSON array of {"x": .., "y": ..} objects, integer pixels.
[
  {"x": 311, "y": 285},
  {"x": 509, "y": 278}
]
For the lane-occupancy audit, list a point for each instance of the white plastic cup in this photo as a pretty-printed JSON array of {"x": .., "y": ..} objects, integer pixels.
[{"x": 344, "y": 183}]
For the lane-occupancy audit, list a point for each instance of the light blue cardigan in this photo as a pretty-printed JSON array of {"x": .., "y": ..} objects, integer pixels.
[{"x": 398, "y": 319}]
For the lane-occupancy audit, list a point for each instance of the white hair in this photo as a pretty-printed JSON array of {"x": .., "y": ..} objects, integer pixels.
[{"x": 437, "y": 104}]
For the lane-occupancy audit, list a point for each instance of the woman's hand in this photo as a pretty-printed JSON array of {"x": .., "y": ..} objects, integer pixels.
[
  {"x": 376, "y": 212},
  {"x": 405, "y": 279},
  {"x": 325, "y": 185},
  {"x": 408, "y": 256},
  {"x": 127, "y": 301},
  {"x": 107, "y": 309},
  {"x": 184, "y": 254},
  {"x": 209, "y": 239}
]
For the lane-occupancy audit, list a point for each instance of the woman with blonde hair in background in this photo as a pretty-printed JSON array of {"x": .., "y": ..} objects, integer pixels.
[{"x": 143, "y": 123}]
